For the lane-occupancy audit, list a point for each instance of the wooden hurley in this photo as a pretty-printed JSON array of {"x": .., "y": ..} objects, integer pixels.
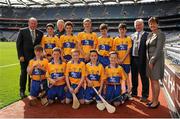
[{"x": 110, "y": 108}]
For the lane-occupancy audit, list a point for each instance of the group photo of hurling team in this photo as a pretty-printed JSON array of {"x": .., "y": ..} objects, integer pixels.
[{"x": 61, "y": 67}]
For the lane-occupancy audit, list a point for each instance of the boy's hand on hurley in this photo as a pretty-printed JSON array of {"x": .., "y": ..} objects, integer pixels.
[
  {"x": 76, "y": 90},
  {"x": 71, "y": 90}
]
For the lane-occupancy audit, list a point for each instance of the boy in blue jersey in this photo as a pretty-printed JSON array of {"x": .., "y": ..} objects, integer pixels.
[
  {"x": 115, "y": 82},
  {"x": 75, "y": 74},
  {"x": 94, "y": 77},
  {"x": 104, "y": 45},
  {"x": 68, "y": 41},
  {"x": 56, "y": 78},
  {"x": 37, "y": 70},
  {"x": 122, "y": 45}
]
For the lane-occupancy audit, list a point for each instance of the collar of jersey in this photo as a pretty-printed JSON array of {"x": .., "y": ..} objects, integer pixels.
[{"x": 36, "y": 58}]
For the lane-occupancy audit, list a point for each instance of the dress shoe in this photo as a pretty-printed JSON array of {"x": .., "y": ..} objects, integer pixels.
[
  {"x": 22, "y": 95},
  {"x": 149, "y": 103},
  {"x": 154, "y": 107},
  {"x": 143, "y": 99}
]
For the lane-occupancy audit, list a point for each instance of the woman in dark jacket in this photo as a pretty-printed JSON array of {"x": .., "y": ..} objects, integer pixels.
[{"x": 155, "y": 59}]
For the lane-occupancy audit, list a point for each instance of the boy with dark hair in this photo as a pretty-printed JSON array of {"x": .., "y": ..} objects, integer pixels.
[
  {"x": 115, "y": 82},
  {"x": 104, "y": 45},
  {"x": 37, "y": 70},
  {"x": 56, "y": 78},
  {"x": 122, "y": 45},
  {"x": 49, "y": 41},
  {"x": 68, "y": 41},
  {"x": 94, "y": 77}
]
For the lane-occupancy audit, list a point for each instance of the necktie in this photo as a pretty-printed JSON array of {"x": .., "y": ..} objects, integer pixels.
[
  {"x": 33, "y": 35},
  {"x": 136, "y": 45}
]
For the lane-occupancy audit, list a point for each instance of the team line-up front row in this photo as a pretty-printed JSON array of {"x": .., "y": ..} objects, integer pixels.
[
  {"x": 77, "y": 64},
  {"x": 78, "y": 77}
]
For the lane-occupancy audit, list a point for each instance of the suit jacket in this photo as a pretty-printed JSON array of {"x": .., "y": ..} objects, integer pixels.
[
  {"x": 142, "y": 49},
  {"x": 155, "y": 54},
  {"x": 59, "y": 34},
  {"x": 155, "y": 45},
  {"x": 25, "y": 45}
]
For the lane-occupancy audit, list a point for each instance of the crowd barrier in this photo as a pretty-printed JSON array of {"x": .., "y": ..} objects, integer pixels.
[{"x": 172, "y": 84}]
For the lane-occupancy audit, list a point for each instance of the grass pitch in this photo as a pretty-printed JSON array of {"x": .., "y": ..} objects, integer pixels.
[{"x": 9, "y": 75}]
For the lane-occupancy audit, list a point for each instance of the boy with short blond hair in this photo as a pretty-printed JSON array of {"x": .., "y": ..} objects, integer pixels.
[
  {"x": 87, "y": 40},
  {"x": 75, "y": 75}
]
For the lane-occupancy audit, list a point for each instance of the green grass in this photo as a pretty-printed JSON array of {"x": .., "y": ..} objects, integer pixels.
[
  {"x": 8, "y": 54},
  {"x": 9, "y": 76}
]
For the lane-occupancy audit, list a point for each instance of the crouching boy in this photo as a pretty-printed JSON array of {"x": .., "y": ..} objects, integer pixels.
[
  {"x": 56, "y": 78},
  {"x": 94, "y": 77},
  {"x": 37, "y": 71},
  {"x": 115, "y": 82},
  {"x": 75, "y": 74}
]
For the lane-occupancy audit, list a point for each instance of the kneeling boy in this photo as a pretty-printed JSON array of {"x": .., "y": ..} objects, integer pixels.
[
  {"x": 37, "y": 71},
  {"x": 56, "y": 78},
  {"x": 115, "y": 82},
  {"x": 95, "y": 77},
  {"x": 75, "y": 74}
]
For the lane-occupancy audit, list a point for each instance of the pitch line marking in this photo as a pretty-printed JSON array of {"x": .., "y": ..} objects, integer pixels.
[{"x": 9, "y": 65}]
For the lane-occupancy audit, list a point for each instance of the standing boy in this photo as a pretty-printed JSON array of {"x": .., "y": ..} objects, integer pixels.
[
  {"x": 122, "y": 45},
  {"x": 104, "y": 45},
  {"x": 49, "y": 41},
  {"x": 87, "y": 39},
  {"x": 68, "y": 41}
]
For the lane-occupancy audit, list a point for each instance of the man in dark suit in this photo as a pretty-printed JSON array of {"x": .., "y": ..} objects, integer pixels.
[
  {"x": 138, "y": 60},
  {"x": 27, "y": 38}
]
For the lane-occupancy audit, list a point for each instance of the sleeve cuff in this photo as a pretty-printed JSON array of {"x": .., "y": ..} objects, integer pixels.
[{"x": 152, "y": 60}]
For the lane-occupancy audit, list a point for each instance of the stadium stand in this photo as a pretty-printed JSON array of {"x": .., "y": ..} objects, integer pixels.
[
  {"x": 162, "y": 8},
  {"x": 13, "y": 18}
]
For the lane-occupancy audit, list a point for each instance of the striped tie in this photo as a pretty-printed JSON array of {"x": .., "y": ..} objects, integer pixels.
[
  {"x": 136, "y": 45},
  {"x": 33, "y": 35}
]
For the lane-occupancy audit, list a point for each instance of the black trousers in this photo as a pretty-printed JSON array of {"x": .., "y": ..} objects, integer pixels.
[
  {"x": 137, "y": 67},
  {"x": 23, "y": 77}
]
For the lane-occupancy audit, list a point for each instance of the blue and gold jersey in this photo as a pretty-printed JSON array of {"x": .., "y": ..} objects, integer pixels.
[
  {"x": 121, "y": 46},
  {"x": 95, "y": 73},
  {"x": 75, "y": 72},
  {"x": 88, "y": 41},
  {"x": 56, "y": 70},
  {"x": 67, "y": 43},
  {"x": 115, "y": 75},
  {"x": 104, "y": 45},
  {"x": 38, "y": 74},
  {"x": 48, "y": 43}
]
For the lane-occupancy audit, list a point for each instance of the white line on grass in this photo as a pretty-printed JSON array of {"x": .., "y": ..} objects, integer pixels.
[{"x": 9, "y": 65}]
